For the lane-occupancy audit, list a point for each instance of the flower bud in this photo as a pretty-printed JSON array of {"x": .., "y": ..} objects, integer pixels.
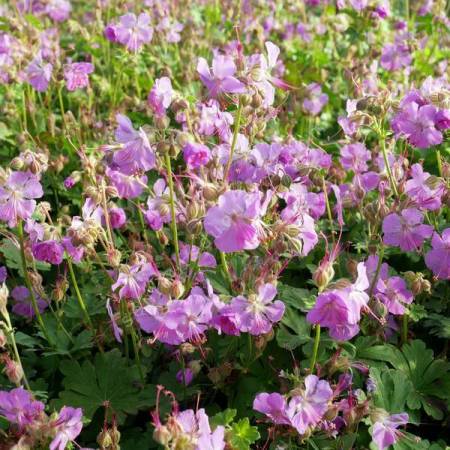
[
  {"x": 114, "y": 257},
  {"x": 13, "y": 370},
  {"x": 17, "y": 163},
  {"x": 177, "y": 289},
  {"x": 323, "y": 275},
  {"x": 4, "y": 293},
  {"x": 210, "y": 192},
  {"x": 164, "y": 285},
  {"x": 104, "y": 439},
  {"x": 162, "y": 435}
]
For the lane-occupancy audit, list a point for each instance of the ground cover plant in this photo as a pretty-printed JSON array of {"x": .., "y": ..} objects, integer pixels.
[{"x": 224, "y": 225}]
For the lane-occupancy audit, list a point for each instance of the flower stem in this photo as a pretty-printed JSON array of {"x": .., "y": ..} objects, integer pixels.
[
  {"x": 233, "y": 142},
  {"x": 28, "y": 282},
  {"x": 315, "y": 348},
  {"x": 404, "y": 329},
  {"x": 439, "y": 162},
  {"x": 78, "y": 295},
  {"x": 223, "y": 260},
  {"x": 12, "y": 338},
  {"x": 386, "y": 163},
  {"x": 172, "y": 208},
  {"x": 61, "y": 107},
  {"x": 377, "y": 271}
]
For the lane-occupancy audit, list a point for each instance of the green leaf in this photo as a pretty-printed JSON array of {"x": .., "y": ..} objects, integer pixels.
[
  {"x": 109, "y": 381},
  {"x": 298, "y": 298},
  {"x": 242, "y": 435},
  {"x": 429, "y": 377},
  {"x": 293, "y": 331},
  {"x": 392, "y": 389},
  {"x": 223, "y": 418}
]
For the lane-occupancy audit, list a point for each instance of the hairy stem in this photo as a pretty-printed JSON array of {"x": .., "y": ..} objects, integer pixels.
[
  {"x": 173, "y": 223},
  {"x": 28, "y": 282},
  {"x": 315, "y": 348}
]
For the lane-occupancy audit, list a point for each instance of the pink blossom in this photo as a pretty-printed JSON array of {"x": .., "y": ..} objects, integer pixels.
[
  {"x": 68, "y": 426},
  {"x": 221, "y": 78},
  {"x": 160, "y": 96},
  {"x": 133, "y": 32},
  {"x": 16, "y": 197},
  {"x": 385, "y": 433},
  {"x": 76, "y": 75},
  {"x": 133, "y": 280},
  {"x": 406, "y": 229},
  {"x": 438, "y": 258},
  {"x": 307, "y": 409},
  {"x": 235, "y": 221}
]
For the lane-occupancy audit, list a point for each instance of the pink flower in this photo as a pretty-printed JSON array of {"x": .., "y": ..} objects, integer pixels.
[
  {"x": 128, "y": 186},
  {"x": 221, "y": 78},
  {"x": 18, "y": 407},
  {"x": 385, "y": 433},
  {"x": 133, "y": 32},
  {"x": 39, "y": 74},
  {"x": 160, "y": 96},
  {"x": 158, "y": 212},
  {"x": 418, "y": 124},
  {"x": 16, "y": 197},
  {"x": 133, "y": 280},
  {"x": 315, "y": 100},
  {"x": 196, "y": 155},
  {"x": 438, "y": 258},
  {"x": 395, "y": 56},
  {"x": 307, "y": 409},
  {"x": 394, "y": 294},
  {"x": 50, "y": 251},
  {"x": 68, "y": 425},
  {"x": 423, "y": 194},
  {"x": 22, "y": 302},
  {"x": 137, "y": 153},
  {"x": 58, "y": 10},
  {"x": 76, "y": 75},
  {"x": 235, "y": 221},
  {"x": 354, "y": 157},
  {"x": 406, "y": 230},
  {"x": 258, "y": 313},
  {"x": 273, "y": 406}
]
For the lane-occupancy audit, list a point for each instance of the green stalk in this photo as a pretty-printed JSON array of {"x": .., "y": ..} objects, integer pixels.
[
  {"x": 233, "y": 142},
  {"x": 439, "y": 162},
  {"x": 61, "y": 107},
  {"x": 10, "y": 330},
  {"x": 377, "y": 271},
  {"x": 388, "y": 167},
  {"x": 28, "y": 282},
  {"x": 172, "y": 209},
  {"x": 404, "y": 329},
  {"x": 315, "y": 349},
  {"x": 223, "y": 260},
  {"x": 78, "y": 295}
]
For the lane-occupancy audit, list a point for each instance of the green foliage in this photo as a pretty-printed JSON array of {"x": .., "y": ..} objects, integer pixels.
[
  {"x": 429, "y": 377},
  {"x": 107, "y": 383}
]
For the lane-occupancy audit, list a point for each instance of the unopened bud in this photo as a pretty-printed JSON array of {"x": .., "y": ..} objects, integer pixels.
[
  {"x": 104, "y": 439},
  {"x": 210, "y": 192},
  {"x": 4, "y": 293},
  {"x": 16, "y": 163},
  {"x": 162, "y": 435},
  {"x": 177, "y": 289},
  {"x": 323, "y": 275},
  {"x": 164, "y": 285},
  {"x": 13, "y": 370}
]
